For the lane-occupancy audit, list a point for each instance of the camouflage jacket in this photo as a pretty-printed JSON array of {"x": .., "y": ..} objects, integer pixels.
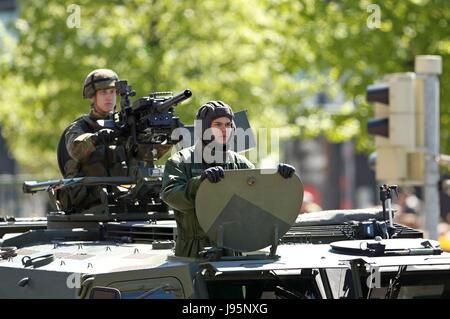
[
  {"x": 180, "y": 184},
  {"x": 86, "y": 158}
]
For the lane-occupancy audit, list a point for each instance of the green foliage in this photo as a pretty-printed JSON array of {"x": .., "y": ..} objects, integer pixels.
[
  {"x": 269, "y": 57},
  {"x": 335, "y": 45},
  {"x": 216, "y": 49}
]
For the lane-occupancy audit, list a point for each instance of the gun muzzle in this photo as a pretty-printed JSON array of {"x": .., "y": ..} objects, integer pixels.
[
  {"x": 30, "y": 187},
  {"x": 166, "y": 105}
]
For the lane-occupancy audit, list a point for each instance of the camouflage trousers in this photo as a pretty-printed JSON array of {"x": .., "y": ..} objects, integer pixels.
[{"x": 75, "y": 199}]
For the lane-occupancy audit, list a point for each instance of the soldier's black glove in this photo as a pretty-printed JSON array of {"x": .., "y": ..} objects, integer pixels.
[
  {"x": 213, "y": 174},
  {"x": 104, "y": 136},
  {"x": 286, "y": 170}
]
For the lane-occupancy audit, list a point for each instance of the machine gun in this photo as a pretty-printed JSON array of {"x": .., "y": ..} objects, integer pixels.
[
  {"x": 144, "y": 130},
  {"x": 148, "y": 121},
  {"x": 124, "y": 199},
  {"x": 32, "y": 187}
]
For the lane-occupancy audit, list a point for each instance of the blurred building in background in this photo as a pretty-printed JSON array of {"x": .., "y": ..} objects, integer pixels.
[{"x": 333, "y": 174}]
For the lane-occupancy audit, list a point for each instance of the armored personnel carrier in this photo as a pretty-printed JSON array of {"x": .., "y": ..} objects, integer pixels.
[
  {"x": 123, "y": 247},
  {"x": 278, "y": 255}
]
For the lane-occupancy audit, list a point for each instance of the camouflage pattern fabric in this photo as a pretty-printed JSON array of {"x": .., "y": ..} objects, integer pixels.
[
  {"x": 88, "y": 160},
  {"x": 99, "y": 79}
]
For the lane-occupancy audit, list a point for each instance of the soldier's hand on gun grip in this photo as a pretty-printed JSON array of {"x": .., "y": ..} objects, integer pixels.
[
  {"x": 104, "y": 136},
  {"x": 286, "y": 170},
  {"x": 213, "y": 174}
]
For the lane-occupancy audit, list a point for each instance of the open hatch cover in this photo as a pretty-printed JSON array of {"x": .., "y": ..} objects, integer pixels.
[{"x": 248, "y": 209}]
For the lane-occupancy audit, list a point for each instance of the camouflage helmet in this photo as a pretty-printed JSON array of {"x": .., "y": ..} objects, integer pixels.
[
  {"x": 210, "y": 111},
  {"x": 98, "y": 80}
]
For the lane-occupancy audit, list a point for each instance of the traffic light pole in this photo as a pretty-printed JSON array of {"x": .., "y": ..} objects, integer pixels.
[{"x": 428, "y": 68}]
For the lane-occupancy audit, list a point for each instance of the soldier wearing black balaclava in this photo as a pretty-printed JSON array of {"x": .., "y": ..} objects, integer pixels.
[{"x": 207, "y": 159}]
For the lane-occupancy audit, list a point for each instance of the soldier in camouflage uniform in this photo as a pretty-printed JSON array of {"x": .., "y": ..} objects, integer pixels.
[
  {"x": 207, "y": 159},
  {"x": 92, "y": 148}
]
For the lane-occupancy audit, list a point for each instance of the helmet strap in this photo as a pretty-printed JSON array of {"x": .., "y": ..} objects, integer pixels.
[{"x": 98, "y": 113}]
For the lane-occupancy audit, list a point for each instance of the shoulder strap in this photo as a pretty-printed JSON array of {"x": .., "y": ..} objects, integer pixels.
[
  {"x": 62, "y": 154},
  {"x": 90, "y": 122}
]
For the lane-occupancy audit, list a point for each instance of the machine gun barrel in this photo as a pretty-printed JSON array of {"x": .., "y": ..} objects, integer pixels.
[
  {"x": 166, "y": 105},
  {"x": 34, "y": 186}
]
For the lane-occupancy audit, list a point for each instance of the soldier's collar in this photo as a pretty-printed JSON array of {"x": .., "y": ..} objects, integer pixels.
[
  {"x": 225, "y": 155},
  {"x": 95, "y": 115}
]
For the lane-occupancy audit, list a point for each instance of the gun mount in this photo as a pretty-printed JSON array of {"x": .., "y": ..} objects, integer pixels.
[
  {"x": 148, "y": 121},
  {"x": 310, "y": 256}
]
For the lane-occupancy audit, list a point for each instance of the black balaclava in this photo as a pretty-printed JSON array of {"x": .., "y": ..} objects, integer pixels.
[
  {"x": 206, "y": 115},
  {"x": 210, "y": 111}
]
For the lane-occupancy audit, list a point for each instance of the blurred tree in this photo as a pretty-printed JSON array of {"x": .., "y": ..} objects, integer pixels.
[
  {"x": 215, "y": 48},
  {"x": 269, "y": 57},
  {"x": 339, "y": 45}
]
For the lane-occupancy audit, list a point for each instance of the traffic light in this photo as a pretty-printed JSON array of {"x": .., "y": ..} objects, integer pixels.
[{"x": 398, "y": 128}]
